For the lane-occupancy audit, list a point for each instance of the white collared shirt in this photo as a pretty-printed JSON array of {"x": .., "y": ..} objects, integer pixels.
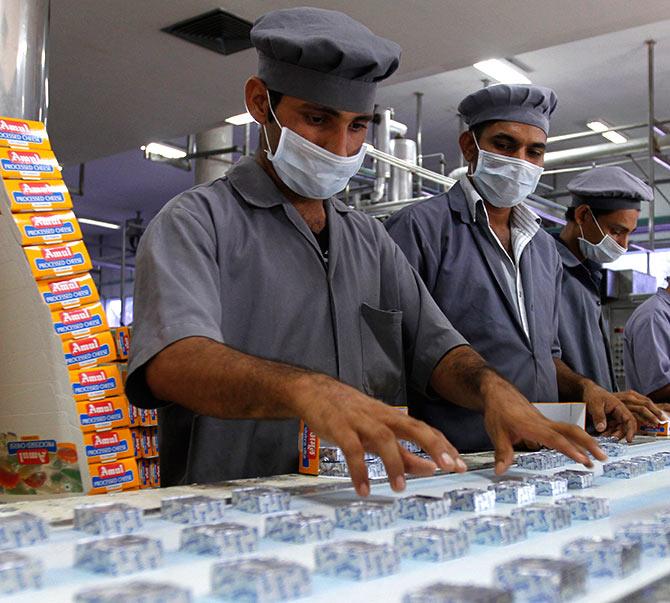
[{"x": 524, "y": 224}]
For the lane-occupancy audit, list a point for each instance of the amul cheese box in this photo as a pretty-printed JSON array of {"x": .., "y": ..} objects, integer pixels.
[
  {"x": 77, "y": 323},
  {"x": 33, "y": 164},
  {"x": 51, "y": 195},
  {"x": 23, "y": 134},
  {"x": 109, "y": 413},
  {"x": 102, "y": 381},
  {"x": 98, "y": 349},
  {"x": 52, "y": 261},
  {"x": 111, "y": 477},
  {"x": 109, "y": 445},
  {"x": 69, "y": 292},
  {"x": 47, "y": 228}
]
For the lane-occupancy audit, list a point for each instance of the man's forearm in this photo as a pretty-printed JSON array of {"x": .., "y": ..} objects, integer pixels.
[
  {"x": 213, "y": 379},
  {"x": 464, "y": 378},
  {"x": 570, "y": 384}
]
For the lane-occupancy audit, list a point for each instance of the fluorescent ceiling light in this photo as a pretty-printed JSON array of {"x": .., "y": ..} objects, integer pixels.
[
  {"x": 164, "y": 150},
  {"x": 99, "y": 223},
  {"x": 240, "y": 119},
  {"x": 502, "y": 71},
  {"x": 600, "y": 126}
]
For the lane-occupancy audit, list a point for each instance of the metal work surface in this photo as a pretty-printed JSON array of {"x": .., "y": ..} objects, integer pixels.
[{"x": 629, "y": 500}]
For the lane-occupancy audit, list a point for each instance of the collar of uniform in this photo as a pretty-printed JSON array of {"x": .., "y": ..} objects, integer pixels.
[
  {"x": 522, "y": 216},
  {"x": 568, "y": 258},
  {"x": 256, "y": 187}
]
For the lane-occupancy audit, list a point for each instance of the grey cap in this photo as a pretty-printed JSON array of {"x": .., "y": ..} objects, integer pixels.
[
  {"x": 522, "y": 103},
  {"x": 322, "y": 56},
  {"x": 609, "y": 187}
]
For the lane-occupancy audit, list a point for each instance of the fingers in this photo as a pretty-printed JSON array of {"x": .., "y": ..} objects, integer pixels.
[
  {"x": 353, "y": 452},
  {"x": 625, "y": 420},
  {"x": 643, "y": 415},
  {"x": 552, "y": 436},
  {"x": 504, "y": 451},
  {"x": 416, "y": 465},
  {"x": 382, "y": 441},
  {"x": 597, "y": 411},
  {"x": 431, "y": 441},
  {"x": 583, "y": 440}
]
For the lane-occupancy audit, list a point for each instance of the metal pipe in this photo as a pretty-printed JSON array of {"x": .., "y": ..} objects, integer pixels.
[
  {"x": 24, "y": 78},
  {"x": 419, "y": 137},
  {"x": 652, "y": 209},
  {"x": 587, "y": 133},
  {"x": 247, "y": 139},
  {"x": 122, "y": 287},
  {"x": 383, "y": 142},
  {"x": 415, "y": 169}
]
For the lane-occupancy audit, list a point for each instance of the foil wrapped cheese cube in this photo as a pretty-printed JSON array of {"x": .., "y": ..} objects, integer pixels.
[
  {"x": 423, "y": 508},
  {"x": 652, "y": 536},
  {"x": 497, "y": 530},
  {"x": 548, "y": 485},
  {"x": 444, "y": 592},
  {"x": 471, "y": 499},
  {"x": 119, "y": 555},
  {"x": 605, "y": 556},
  {"x": 220, "y": 539},
  {"x": 356, "y": 559},
  {"x": 431, "y": 544},
  {"x": 108, "y": 519},
  {"x": 544, "y": 518},
  {"x": 19, "y": 572},
  {"x": 137, "y": 591},
  {"x": 542, "y": 579},
  {"x": 193, "y": 509},
  {"x": 513, "y": 492},
  {"x": 586, "y": 508},
  {"x": 22, "y": 529},
  {"x": 622, "y": 470},
  {"x": 260, "y": 579},
  {"x": 653, "y": 463},
  {"x": 577, "y": 479},
  {"x": 366, "y": 516},
  {"x": 299, "y": 527},
  {"x": 261, "y": 500}
]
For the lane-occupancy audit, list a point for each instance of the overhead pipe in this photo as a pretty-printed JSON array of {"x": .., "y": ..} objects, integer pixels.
[
  {"x": 419, "y": 137},
  {"x": 651, "y": 143}
]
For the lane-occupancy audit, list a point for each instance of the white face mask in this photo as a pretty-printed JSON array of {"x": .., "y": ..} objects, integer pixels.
[
  {"x": 308, "y": 169},
  {"x": 608, "y": 250},
  {"x": 504, "y": 181}
]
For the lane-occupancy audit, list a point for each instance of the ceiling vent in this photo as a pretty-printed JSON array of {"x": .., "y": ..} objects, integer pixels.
[{"x": 215, "y": 30}]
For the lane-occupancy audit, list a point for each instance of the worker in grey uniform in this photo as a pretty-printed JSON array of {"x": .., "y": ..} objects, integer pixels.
[
  {"x": 604, "y": 212},
  {"x": 260, "y": 298},
  {"x": 491, "y": 268},
  {"x": 647, "y": 348}
]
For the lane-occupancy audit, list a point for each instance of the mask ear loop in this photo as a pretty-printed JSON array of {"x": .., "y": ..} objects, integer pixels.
[
  {"x": 598, "y": 225},
  {"x": 265, "y": 132},
  {"x": 474, "y": 138}
]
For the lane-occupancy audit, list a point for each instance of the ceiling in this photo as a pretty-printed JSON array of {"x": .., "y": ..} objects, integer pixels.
[{"x": 117, "y": 81}]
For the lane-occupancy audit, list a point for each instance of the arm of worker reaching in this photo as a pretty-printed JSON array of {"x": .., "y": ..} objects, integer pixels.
[
  {"x": 509, "y": 418},
  {"x": 608, "y": 413},
  {"x": 213, "y": 379}
]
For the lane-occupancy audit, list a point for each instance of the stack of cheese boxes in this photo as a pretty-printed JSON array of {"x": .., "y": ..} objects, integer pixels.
[{"x": 48, "y": 231}]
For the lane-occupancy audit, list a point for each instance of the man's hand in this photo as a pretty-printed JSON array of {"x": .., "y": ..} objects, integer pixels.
[
  {"x": 609, "y": 414},
  {"x": 643, "y": 409},
  {"x": 357, "y": 423},
  {"x": 509, "y": 418}
]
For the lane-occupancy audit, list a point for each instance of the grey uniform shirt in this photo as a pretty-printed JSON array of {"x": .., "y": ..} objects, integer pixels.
[
  {"x": 234, "y": 261},
  {"x": 647, "y": 345},
  {"x": 582, "y": 331},
  {"x": 450, "y": 244}
]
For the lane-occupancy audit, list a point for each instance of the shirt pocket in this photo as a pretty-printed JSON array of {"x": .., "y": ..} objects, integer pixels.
[{"x": 382, "y": 352}]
